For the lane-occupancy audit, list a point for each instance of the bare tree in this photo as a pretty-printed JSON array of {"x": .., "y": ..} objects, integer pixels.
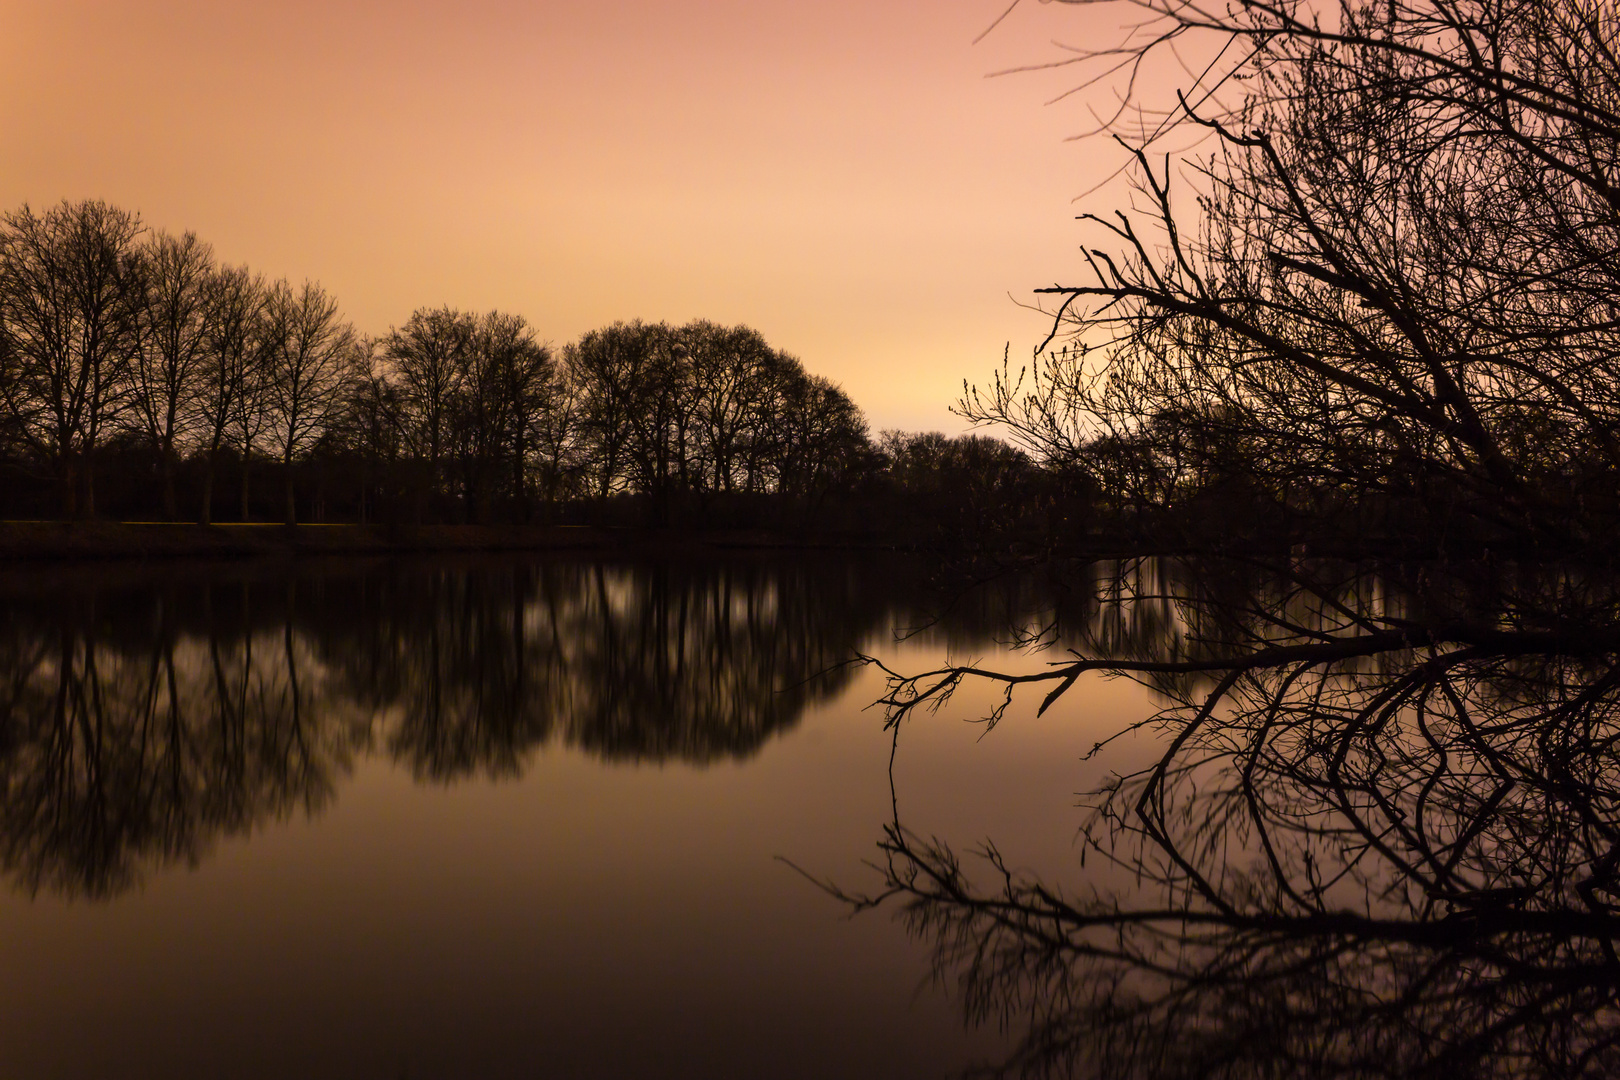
[
  {"x": 560, "y": 455},
  {"x": 230, "y": 370},
  {"x": 67, "y": 317},
  {"x": 823, "y": 442},
  {"x": 660, "y": 422},
  {"x": 428, "y": 355},
  {"x": 729, "y": 366},
  {"x": 1380, "y": 836},
  {"x": 610, "y": 368},
  {"x": 374, "y": 424},
  {"x": 310, "y": 361},
  {"x": 502, "y": 385},
  {"x": 174, "y": 333},
  {"x": 1400, "y": 277},
  {"x": 250, "y": 419}
]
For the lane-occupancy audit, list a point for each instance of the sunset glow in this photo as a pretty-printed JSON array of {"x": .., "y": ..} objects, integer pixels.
[{"x": 841, "y": 176}]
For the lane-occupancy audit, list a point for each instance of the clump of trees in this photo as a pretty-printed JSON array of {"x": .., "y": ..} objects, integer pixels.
[
  {"x": 981, "y": 492},
  {"x": 117, "y": 341},
  {"x": 708, "y": 410},
  {"x": 136, "y": 351}
]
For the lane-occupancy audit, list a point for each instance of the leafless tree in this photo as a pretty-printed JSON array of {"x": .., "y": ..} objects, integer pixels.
[
  {"x": 250, "y": 420},
  {"x": 610, "y": 366},
  {"x": 67, "y": 315},
  {"x": 1389, "y": 272},
  {"x": 311, "y": 359},
  {"x": 502, "y": 385},
  {"x": 729, "y": 367},
  {"x": 373, "y": 424},
  {"x": 819, "y": 432},
  {"x": 660, "y": 422},
  {"x": 428, "y": 358},
  {"x": 1380, "y": 839},
  {"x": 174, "y": 331},
  {"x": 231, "y": 372},
  {"x": 559, "y": 455}
]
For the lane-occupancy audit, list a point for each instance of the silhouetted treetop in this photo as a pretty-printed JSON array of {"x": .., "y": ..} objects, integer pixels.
[{"x": 140, "y": 352}]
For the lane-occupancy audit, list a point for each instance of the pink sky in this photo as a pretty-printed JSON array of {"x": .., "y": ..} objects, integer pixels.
[{"x": 839, "y": 174}]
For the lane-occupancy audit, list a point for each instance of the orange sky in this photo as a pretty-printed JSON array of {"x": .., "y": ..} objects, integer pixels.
[{"x": 839, "y": 174}]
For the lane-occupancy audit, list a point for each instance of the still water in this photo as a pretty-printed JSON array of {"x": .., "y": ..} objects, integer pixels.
[{"x": 494, "y": 818}]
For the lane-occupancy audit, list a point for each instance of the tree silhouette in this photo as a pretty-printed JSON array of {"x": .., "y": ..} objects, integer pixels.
[
  {"x": 229, "y": 381},
  {"x": 147, "y": 352},
  {"x": 505, "y": 387},
  {"x": 426, "y": 357},
  {"x": 310, "y": 361},
  {"x": 1394, "y": 286},
  {"x": 174, "y": 315},
  {"x": 67, "y": 321}
]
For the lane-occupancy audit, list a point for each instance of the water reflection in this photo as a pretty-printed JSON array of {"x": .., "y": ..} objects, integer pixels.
[
  {"x": 1381, "y": 839},
  {"x": 132, "y": 741},
  {"x": 146, "y": 720},
  {"x": 642, "y": 662}
]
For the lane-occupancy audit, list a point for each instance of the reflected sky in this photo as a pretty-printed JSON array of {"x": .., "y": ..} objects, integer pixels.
[
  {"x": 488, "y": 818},
  {"x": 508, "y": 817},
  {"x": 1380, "y": 837}
]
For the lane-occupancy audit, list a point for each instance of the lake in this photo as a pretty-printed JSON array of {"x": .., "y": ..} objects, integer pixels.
[{"x": 494, "y": 817}]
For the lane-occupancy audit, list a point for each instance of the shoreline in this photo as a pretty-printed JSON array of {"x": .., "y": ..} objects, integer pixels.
[
  {"x": 85, "y": 541},
  {"x": 25, "y": 543}
]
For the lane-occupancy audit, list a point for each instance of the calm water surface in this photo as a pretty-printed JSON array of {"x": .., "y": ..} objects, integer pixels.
[{"x": 496, "y": 818}]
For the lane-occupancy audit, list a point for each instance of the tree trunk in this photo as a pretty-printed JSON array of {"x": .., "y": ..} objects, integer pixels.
[
  {"x": 68, "y": 488},
  {"x": 87, "y": 508},
  {"x": 171, "y": 502},
  {"x": 292, "y": 504},
  {"x": 247, "y": 452},
  {"x": 207, "y": 515}
]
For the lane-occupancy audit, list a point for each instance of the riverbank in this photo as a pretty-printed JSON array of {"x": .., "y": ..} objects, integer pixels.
[{"x": 91, "y": 540}]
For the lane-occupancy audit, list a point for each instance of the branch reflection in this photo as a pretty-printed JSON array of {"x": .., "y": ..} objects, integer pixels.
[{"x": 1380, "y": 841}]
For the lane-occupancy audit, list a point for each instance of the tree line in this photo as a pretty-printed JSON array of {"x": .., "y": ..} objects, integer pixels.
[{"x": 137, "y": 354}]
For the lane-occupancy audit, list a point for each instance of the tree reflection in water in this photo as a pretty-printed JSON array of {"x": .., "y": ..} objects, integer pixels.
[
  {"x": 1380, "y": 841},
  {"x": 131, "y": 740},
  {"x": 144, "y": 722},
  {"x": 648, "y": 661}
]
